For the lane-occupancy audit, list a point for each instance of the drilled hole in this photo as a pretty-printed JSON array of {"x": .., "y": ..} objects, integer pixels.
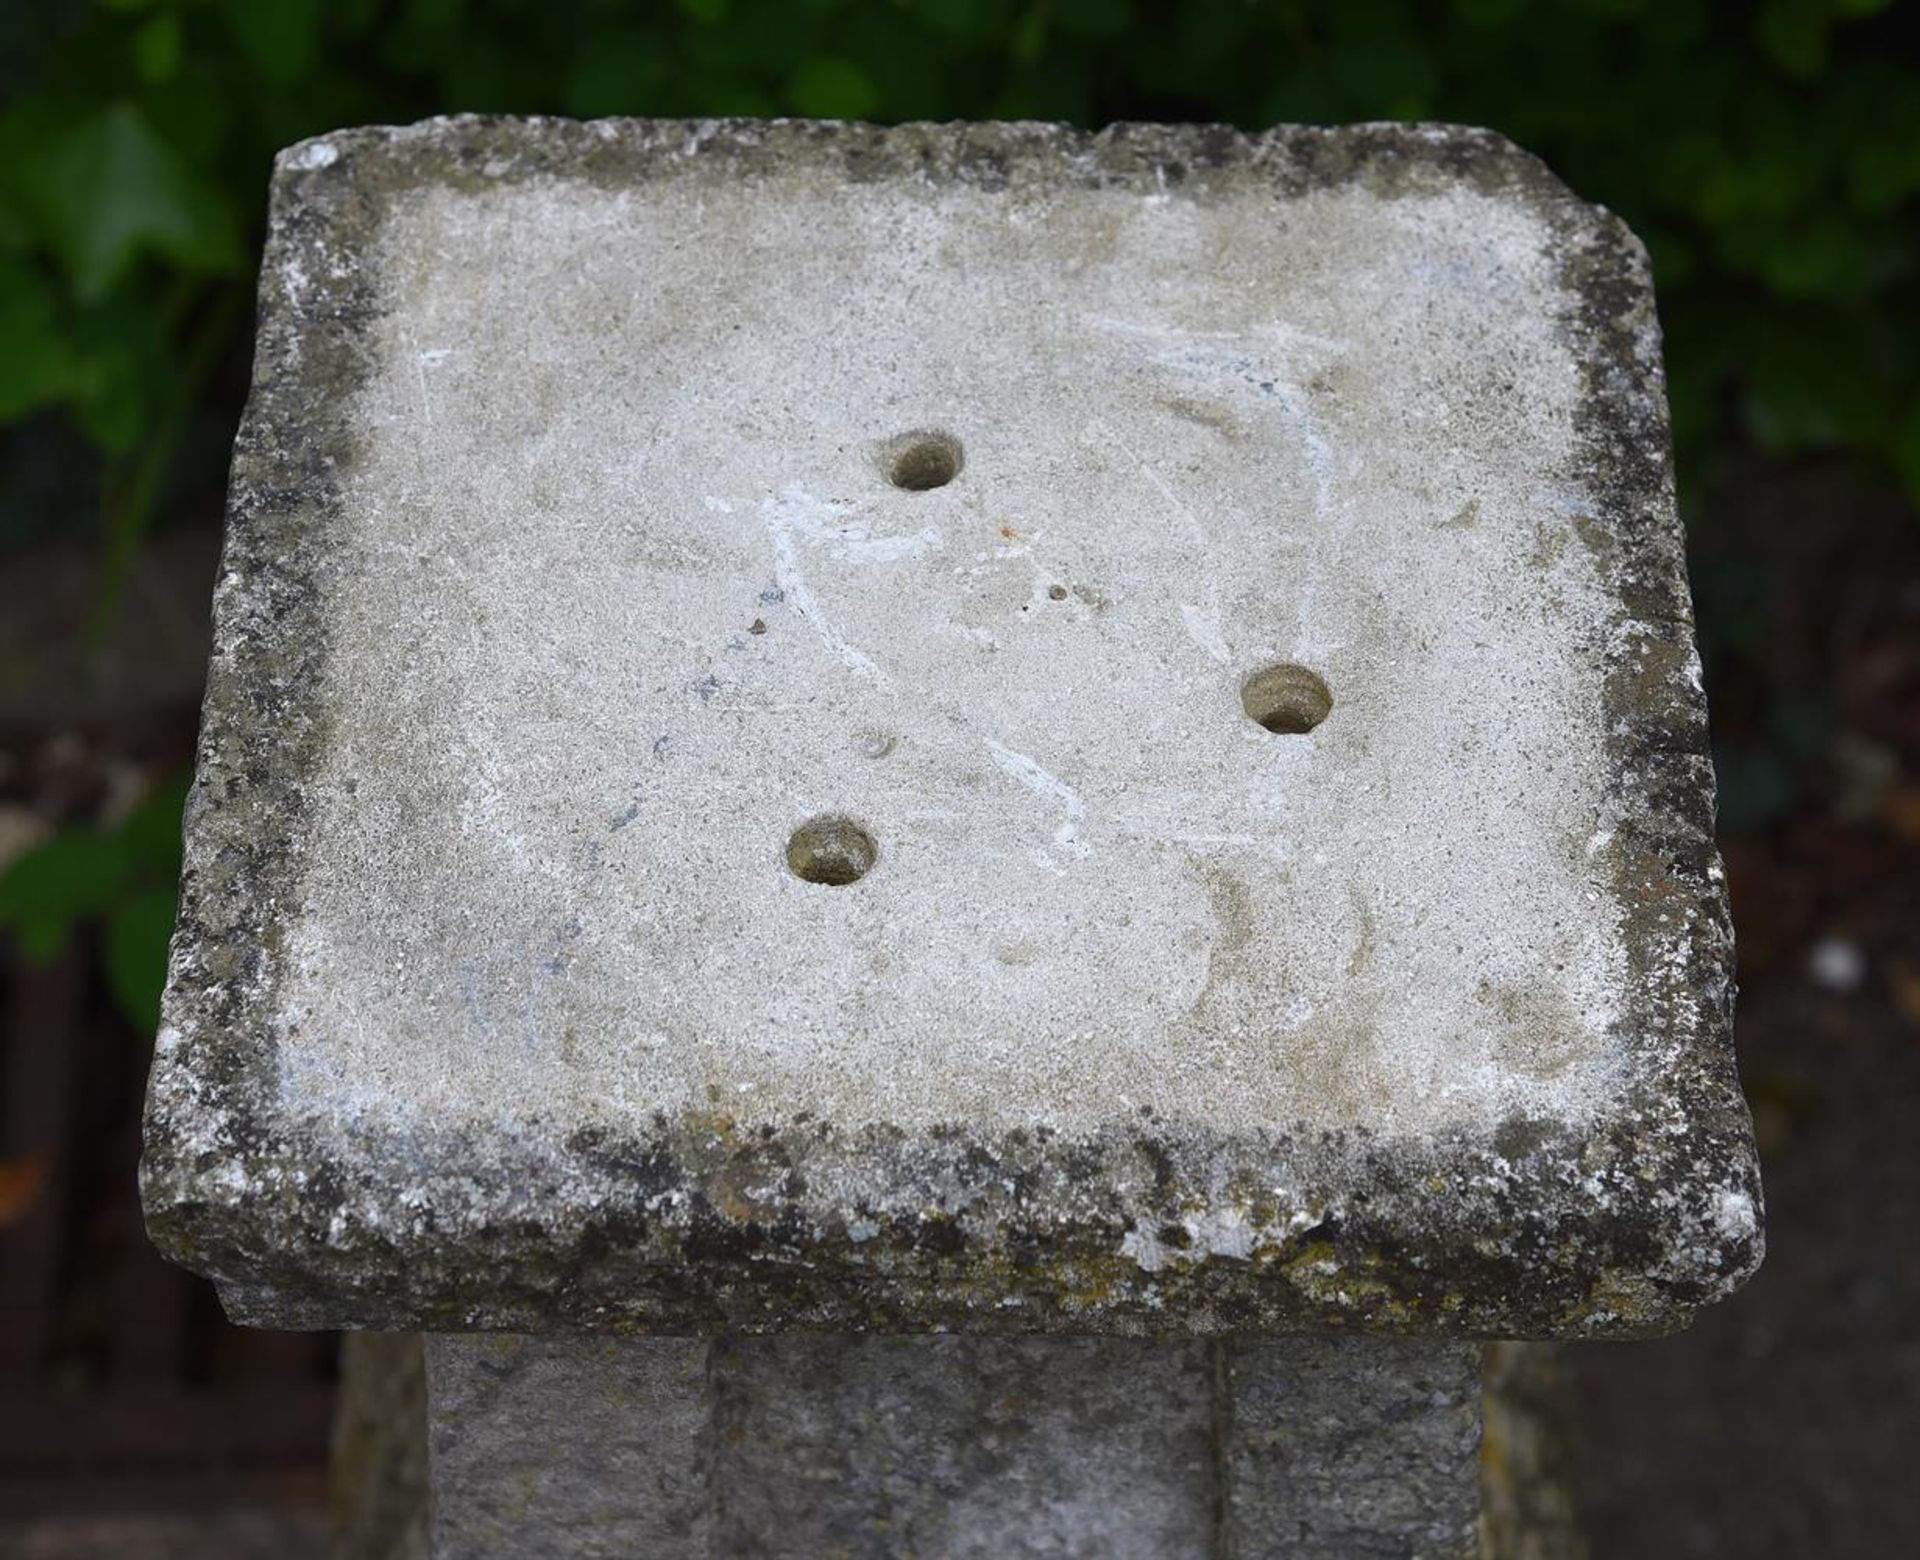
[
  {"x": 919, "y": 461},
  {"x": 831, "y": 850},
  {"x": 1286, "y": 699}
]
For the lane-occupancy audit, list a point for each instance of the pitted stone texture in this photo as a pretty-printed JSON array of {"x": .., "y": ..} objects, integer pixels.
[
  {"x": 876, "y": 1447},
  {"x": 1354, "y": 1446},
  {"x": 963, "y": 1446},
  {"x": 566, "y": 577},
  {"x": 570, "y": 1448}
]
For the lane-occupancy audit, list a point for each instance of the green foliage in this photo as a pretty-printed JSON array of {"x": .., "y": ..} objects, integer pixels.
[
  {"x": 123, "y": 880},
  {"x": 1770, "y": 154},
  {"x": 106, "y": 191}
]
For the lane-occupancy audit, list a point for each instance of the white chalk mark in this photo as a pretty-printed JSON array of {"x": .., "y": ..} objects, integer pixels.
[
  {"x": 1100, "y": 432},
  {"x": 1274, "y": 844},
  {"x": 1203, "y": 628},
  {"x": 1253, "y": 368},
  {"x": 1054, "y": 789},
  {"x": 820, "y": 522},
  {"x": 788, "y": 576},
  {"x": 1203, "y": 623},
  {"x": 1320, "y": 466},
  {"x": 796, "y": 516},
  {"x": 420, "y": 374},
  {"x": 1223, "y": 1232},
  {"x": 1036, "y": 779},
  {"x": 1156, "y": 332}
]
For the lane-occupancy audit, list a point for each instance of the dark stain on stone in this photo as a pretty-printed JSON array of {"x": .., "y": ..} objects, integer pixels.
[{"x": 1205, "y": 414}]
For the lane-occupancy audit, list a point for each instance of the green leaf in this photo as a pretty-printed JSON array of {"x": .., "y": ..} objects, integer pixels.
[
  {"x": 151, "y": 835},
  {"x": 1794, "y": 34},
  {"x": 433, "y": 15},
  {"x": 124, "y": 371},
  {"x": 1822, "y": 258},
  {"x": 829, "y": 88},
  {"x": 280, "y": 35},
  {"x": 1092, "y": 18},
  {"x": 126, "y": 880},
  {"x": 1029, "y": 40},
  {"x": 36, "y": 362},
  {"x": 110, "y": 403},
  {"x": 112, "y": 191},
  {"x": 616, "y": 73},
  {"x": 1882, "y": 173},
  {"x": 135, "y": 949},
  {"x": 74, "y": 876},
  {"x": 957, "y": 18},
  {"x": 156, "y": 47}
]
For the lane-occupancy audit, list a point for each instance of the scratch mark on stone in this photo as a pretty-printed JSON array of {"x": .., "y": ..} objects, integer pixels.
[
  {"x": 1199, "y": 352},
  {"x": 794, "y": 514},
  {"x": 1023, "y": 769},
  {"x": 1203, "y": 628},
  {"x": 1277, "y": 330},
  {"x": 420, "y": 374},
  {"x": 1202, "y": 622},
  {"x": 1098, "y": 430}
]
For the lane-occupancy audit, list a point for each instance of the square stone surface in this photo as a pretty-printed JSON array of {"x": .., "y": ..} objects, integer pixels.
[{"x": 634, "y": 521}]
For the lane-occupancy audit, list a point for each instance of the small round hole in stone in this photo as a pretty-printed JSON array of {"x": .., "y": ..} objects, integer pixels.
[
  {"x": 831, "y": 849},
  {"x": 1286, "y": 699},
  {"x": 921, "y": 461}
]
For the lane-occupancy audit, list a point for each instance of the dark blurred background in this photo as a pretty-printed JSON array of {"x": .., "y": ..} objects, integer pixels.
[{"x": 1769, "y": 154}]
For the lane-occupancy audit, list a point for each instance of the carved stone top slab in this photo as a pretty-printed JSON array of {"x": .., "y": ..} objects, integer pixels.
[{"x": 954, "y": 727}]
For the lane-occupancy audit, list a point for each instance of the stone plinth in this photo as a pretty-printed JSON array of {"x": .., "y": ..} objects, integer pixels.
[
  {"x": 794, "y": 1445},
  {"x": 970, "y": 729}
]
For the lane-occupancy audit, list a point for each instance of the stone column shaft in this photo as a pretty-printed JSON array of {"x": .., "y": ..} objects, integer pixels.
[{"x": 806, "y": 1446}]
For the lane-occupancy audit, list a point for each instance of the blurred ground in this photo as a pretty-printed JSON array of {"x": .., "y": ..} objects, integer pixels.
[
  {"x": 240, "y": 1534},
  {"x": 123, "y": 1390},
  {"x": 134, "y": 1421},
  {"x": 1786, "y": 1422}
]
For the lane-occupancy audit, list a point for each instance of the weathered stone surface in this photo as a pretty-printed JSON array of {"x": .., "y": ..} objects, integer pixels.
[
  {"x": 963, "y": 1446},
  {"x": 1353, "y": 1446},
  {"x": 568, "y": 1447},
  {"x": 581, "y": 550},
  {"x": 804, "y": 1446},
  {"x": 377, "y": 1480}
]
